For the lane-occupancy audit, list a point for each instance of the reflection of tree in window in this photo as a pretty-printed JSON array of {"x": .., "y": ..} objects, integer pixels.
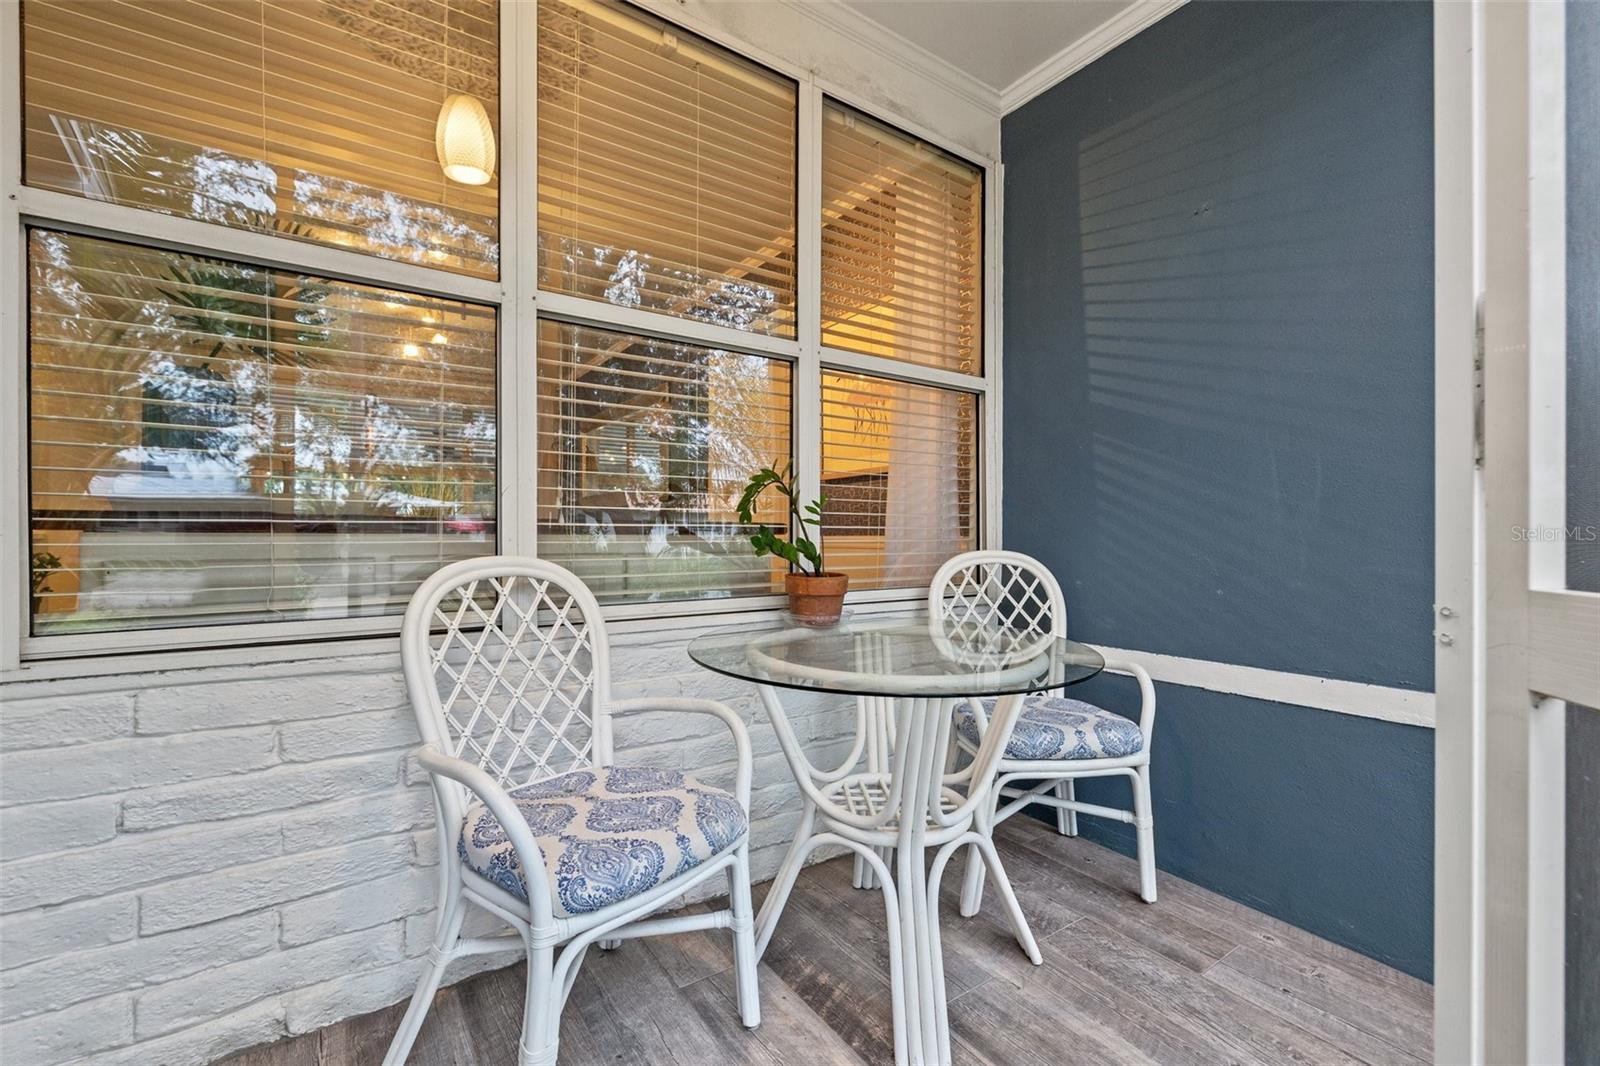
[
  {"x": 232, "y": 309},
  {"x": 666, "y": 170},
  {"x": 185, "y": 407},
  {"x": 190, "y": 415},
  {"x": 338, "y": 152}
]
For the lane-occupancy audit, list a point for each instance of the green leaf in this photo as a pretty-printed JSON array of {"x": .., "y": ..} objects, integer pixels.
[{"x": 809, "y": 550}]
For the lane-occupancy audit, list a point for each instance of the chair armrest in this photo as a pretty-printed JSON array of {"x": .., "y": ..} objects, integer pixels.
[
  {"x": 1147, "y": 693},
  {"x": 675, "y": 704},
  {"x": 504, "y": 808}
]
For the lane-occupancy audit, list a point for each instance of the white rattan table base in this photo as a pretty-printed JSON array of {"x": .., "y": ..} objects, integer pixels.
[{"x": 886, "y": 816}]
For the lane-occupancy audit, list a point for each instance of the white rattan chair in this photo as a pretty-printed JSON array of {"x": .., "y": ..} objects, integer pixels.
[
  {"x": 1056, "y": 740},
  {"x": 506, "y": 663}
]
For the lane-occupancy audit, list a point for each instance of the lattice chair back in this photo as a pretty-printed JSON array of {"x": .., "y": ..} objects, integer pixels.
[
  {"x": 506, "y": 663},
  {"x": 997, "y": 589}
]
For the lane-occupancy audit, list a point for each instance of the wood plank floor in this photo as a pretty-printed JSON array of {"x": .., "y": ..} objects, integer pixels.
[{"x": 1195, "y": 978}]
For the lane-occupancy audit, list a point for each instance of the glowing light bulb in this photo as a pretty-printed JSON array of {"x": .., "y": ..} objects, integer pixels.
[
  {"x": 411, "y": 351},
  {"x": 464, "y": 140}
]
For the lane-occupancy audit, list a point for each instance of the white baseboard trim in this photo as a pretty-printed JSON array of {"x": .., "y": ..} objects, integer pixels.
[
  {"x": 1406, "y": 706},
  {"x": 1085, "y": 50}
]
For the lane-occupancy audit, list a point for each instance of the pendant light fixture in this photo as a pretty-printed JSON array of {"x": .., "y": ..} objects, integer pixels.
[{"x": 463, "y": 138}]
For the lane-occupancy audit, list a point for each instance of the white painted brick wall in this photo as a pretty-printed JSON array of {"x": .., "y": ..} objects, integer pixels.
[{"x": 199, "y": 861}]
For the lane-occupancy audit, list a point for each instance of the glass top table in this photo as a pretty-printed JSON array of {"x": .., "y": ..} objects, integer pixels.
[
  {"x": 896, "y": 800},
  {"x": 896, "y": 657}
]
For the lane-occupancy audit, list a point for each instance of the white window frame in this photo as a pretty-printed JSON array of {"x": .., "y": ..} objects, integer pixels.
[{"x": 519, "y": 305}]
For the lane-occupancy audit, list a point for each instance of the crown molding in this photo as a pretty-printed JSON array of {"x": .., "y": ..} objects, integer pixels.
[
  {"x": 1085, "y": 50},
  {"x": 842, "y": 19}
]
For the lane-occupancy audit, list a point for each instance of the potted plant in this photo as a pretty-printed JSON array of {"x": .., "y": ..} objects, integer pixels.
[{"x": 816, "y": 597}]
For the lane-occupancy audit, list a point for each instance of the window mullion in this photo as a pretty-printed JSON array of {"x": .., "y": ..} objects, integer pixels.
[
  {"x": 808, "y": 373},
  {"x": 519, "y": 326},
  {"x": 62, "y": 211},
  {"x": 583, "y": 310},
  {"x": 897, "y": 370},
  {"x": 990, "y": 456}
]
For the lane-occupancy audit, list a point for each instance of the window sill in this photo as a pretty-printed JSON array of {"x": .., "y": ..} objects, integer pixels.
[{"x": 626, "y": 624}]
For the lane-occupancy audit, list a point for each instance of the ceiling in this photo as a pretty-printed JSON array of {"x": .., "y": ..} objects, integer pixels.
[{"x": 995, "y": 41}]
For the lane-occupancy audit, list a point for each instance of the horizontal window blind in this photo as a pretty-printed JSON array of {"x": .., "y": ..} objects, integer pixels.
[
  {"x": 666, "y": 170},
  {"x": 644, "y": 448},
  {"x": 311, "y": 120},
  {"x": 215, "y": 442},
  {"x": 902, "y": 246},
  {"x": 899, "y": 469}
]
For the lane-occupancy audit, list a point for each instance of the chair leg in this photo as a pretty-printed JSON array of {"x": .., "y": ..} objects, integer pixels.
[
  {"x": 862, "y": 874},
  {"x": 744, "y": 938},
  {"x": 541, "y": 1015},
  {"x": 451, "y": 912},
  {"x": 783, "y": 883},
  {"x": 1066, "y": 821},
  {"x": 1145, "y": 826}
]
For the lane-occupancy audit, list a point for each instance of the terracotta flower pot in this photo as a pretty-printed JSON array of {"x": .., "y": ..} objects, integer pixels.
[{"x": 816, "y": 599}]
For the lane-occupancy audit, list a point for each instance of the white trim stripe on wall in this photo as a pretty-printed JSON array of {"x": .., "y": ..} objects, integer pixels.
[{"x": 1405, "y": 706}]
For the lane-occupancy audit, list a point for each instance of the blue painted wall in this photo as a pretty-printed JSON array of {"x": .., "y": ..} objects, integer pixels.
[{"x": 1218, "y": 386}]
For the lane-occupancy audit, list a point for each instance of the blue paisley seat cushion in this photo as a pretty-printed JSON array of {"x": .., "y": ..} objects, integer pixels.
[
  {"x": 1057, "y": 728},
  {"x": 607, "y": 834}
]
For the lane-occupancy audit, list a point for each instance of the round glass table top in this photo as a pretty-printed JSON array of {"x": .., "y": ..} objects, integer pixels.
[{"x": 896, "y": 657}]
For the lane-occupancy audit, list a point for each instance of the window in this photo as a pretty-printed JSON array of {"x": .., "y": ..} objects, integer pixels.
[
  {"x": 217, "y": 443},
  {"x": 666, "y": 170},
  {"x": 308, "y": 120},
  {"x": 667, "y": 184},
  {"x": 214, "y": 442},
  {"x": 902, "y": 279},
  {"x": 284, "y": 357},
  {"x": 902, "y": 246}
]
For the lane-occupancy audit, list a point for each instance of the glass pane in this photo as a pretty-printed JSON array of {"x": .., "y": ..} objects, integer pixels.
[
  {"x": 644, "y": 448},
  {"x": 666, "y": 170},
  {"x": 899, "y": 469},
  {"x": 902, "y": 246},
  {"x": 215, "y": 442},
  {"x": 310, "y": 120}
]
